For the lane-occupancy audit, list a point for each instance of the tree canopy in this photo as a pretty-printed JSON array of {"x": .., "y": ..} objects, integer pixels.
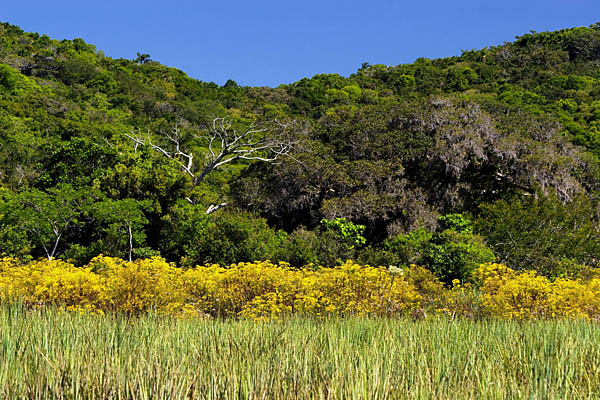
[{"x": 504, "y": 133}]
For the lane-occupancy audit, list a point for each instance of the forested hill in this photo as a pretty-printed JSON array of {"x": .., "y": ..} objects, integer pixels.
[{"x": 490, "y": 155}]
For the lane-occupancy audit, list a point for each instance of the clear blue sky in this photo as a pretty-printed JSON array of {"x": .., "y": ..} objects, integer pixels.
[{"x": 267, "y": 42}]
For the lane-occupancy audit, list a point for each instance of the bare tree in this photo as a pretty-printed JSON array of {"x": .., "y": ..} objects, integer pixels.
[{"x": 261, "y": 141}]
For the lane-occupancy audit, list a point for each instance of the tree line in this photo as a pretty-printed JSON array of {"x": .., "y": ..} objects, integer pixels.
[{"x": 446, "y": 163}]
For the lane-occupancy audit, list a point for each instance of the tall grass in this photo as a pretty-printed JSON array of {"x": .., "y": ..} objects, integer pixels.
[{"x": 53, "y": 354}]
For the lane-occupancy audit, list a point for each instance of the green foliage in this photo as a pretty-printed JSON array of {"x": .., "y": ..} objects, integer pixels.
[
  {"x": 142, "y": 58},
  {"x": 234, "y": 237},
  {"x": 389, "y": 147},
  {"x": 452, "y": 252},
  {"x": 455, "y": 255},
  {"x": 78, "y": 162},
  {"x": 455, "y": 222},
  {"x": 402, "y": 83},
  {"x": 14, "y": 82},
  {"x": 184, "y": 229},
  {"x": 544, "y": 234},
  {"x": 229, "y": 237},
  {"x": 377, "y": 256},
  {"x": 123, "y": 222},
  {"x": 460, "y": 78},
  {"x": 346, "y": 231},
  {"x": 14, "y": 240},
  {"x": 409, "y": 248},
  {"x": 302, "y": 247},
  {"x": 336, "y": 241},
  {"x": 46, "y": 217}
]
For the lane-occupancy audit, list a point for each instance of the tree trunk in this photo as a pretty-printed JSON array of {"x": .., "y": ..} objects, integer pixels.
[{"x": 130, "y": 242}]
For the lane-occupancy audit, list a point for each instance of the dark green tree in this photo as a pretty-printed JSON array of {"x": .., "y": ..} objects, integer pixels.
[{"x": 542, "y": 234}]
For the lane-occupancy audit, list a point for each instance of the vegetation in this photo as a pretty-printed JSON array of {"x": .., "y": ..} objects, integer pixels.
[
  {"x": 446, "y": 163},
  {"x": 264, "y": 291},
  {"x": 472, "y": 180},
  {"x": 151, "y": 357}
]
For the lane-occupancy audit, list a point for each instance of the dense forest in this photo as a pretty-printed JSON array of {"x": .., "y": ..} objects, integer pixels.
[{"x": 493, "y": 155}]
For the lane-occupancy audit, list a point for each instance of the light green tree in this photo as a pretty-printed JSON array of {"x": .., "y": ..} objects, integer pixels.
[{"x": 47, "y": 216}]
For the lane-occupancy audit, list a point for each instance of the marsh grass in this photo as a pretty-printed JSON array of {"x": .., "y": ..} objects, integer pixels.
[{"x": 53, "y": 354}]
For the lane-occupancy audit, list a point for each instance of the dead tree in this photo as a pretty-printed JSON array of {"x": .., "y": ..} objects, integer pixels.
[{"x": 263, "y": 141}]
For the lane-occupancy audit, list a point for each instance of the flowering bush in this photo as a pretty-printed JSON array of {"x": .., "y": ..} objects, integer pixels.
[
  {"x": 263, "y": 290},
  {"x": 53, "y": 282},
  {"x": 138, "y": 286},
  {"x": 508, "y": 294}
]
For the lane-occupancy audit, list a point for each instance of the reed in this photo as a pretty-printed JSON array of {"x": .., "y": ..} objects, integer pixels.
[{"x": 49, "y": 353}]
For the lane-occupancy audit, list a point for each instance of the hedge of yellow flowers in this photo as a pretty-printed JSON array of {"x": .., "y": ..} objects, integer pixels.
[{"x": 262, "y": 290}]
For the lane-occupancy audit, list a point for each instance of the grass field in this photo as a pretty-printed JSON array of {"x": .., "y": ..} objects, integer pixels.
[{"x": 53, "y": 354}]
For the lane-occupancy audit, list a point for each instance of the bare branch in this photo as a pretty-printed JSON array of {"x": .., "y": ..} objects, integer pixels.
[
  {"x": 262, "y": 141},
  {"x": 214, "y": 208}
]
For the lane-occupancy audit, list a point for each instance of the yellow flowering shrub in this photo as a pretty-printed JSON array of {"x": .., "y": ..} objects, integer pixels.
[
  {"x": 425, "y": 282},
  {"x": 524, "y": 296},
  {"x": 593, "y": 307},
  {"x": 508, "y": 294},
  {"x": 265, "y": 291},
  {"x": 493, "y": 275},
  {"x": 266, "y": 307},
  {"x": 460, "y": 301},
  {"x": 220, "y": 291},
  {"x": 355, "y": 289},
  {"x": 53, "y": 282},
  {"x": 254, "y": 290},
  {"x": 569, "y": 298},
  {"x": 139, "y": 286}
]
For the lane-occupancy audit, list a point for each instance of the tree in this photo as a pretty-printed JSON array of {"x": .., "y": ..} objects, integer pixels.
[
  {"x": 543, "y": 234},
  {"x": 193, "y": 238},
  {"x": 339, "y": 240},
  {"x": 263, "y": 141},
  {"x": 125, "y": 219},
  {"x": 142, "y": 58},
  {"x": 348, "y": 232},
  {"x": 47, "y": 216},
  {"x": 455, "y": 255},
  {"x": 14, "y": 241}
]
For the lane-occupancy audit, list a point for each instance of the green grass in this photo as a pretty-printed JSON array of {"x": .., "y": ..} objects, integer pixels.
[{"x": 49, "y": 354}]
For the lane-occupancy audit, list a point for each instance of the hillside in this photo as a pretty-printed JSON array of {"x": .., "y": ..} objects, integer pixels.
[{"x": 490, "y": 155}]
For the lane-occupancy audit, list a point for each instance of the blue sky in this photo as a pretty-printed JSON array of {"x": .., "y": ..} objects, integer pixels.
[{"x": 267, "y": 43}]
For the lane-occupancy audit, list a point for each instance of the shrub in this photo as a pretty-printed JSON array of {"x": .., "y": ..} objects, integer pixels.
[
  {"x": 452, "y": 252},
  {"x": 53, "y": 282},
  {"x": 524, "y": 295},
  {"x": 339, "y": 240},
  {"x": 301, "y": 248},
  {"x": 347, "y": 231},
  {"x": 263, "y": 290},
  {"x": 453, "y": 255},
  {"x": 455, "y": 222},
  {"x": 409, "y": 248},
  {"x": 194, "y": 238}
]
